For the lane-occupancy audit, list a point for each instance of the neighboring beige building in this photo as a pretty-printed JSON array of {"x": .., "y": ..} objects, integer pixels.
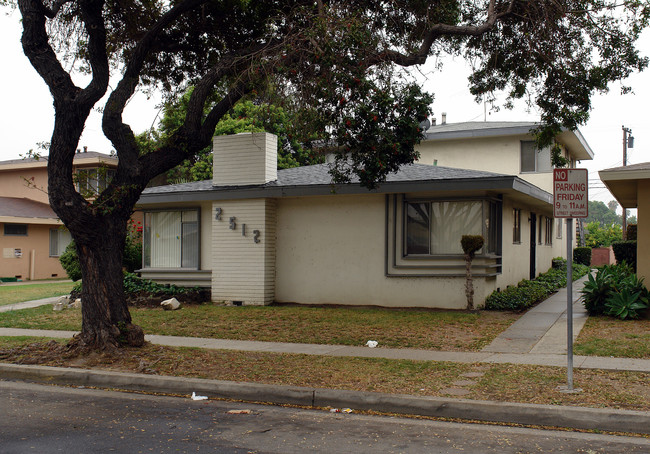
[
  {"x": 630, "y": 185},
  {"x": 257, "y": 235},
  {"x": 31, "y": 235}
]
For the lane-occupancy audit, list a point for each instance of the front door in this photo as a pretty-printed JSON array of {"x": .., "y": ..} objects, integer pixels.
[{"x": 533, "y": 239}]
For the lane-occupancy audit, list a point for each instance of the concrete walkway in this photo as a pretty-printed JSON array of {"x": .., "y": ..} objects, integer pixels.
[
  {"x": 537, "y": 338},
  {"x": 543, "y": 329}
]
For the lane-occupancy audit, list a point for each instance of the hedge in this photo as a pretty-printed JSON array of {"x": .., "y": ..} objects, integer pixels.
[
  {"x": 582, "y": 255},
  {"x": 625, "y": 251}
]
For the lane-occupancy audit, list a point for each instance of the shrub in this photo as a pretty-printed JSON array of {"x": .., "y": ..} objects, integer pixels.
[
  {"x": 582, "y": 255},
  {"x": 615, "y": 290},
  {"x": 70, "y": 262},
  {"x": 626, "y": 304},
  {"x": 530, "y": 292},
  {"x": 625, "y": 251},
  {"x": 631, "y": 232},
  {"x": 558, "y": 262}
]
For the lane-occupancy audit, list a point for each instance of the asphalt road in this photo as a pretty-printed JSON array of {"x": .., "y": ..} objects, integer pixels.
[{"x": 49, "y": 419}]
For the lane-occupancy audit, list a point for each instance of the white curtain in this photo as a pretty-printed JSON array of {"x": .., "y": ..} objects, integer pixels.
[
  {"x": 165, "y": 239},
  {"x": 450, "y": 221}
]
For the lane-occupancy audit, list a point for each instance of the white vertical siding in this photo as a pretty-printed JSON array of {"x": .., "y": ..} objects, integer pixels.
[
  {"x": 242, "y": 159},
  {"x": 244, "y": 271}
]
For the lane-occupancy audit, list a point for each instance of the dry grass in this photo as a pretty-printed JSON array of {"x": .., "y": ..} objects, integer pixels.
[
  {"x": 606, "y": 336},
  {"x": 421, "y": 329},
  {"x": 500, "y": 382}
]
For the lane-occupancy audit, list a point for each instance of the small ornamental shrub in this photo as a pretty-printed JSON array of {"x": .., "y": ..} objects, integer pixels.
[
  {"x": 582, "y": 255},
  {"x": 470, "y": 244},
  {"x": 558, "y": 262},
  {"x": 625, "y": 251},
  {"x": 530, "y": 292}
]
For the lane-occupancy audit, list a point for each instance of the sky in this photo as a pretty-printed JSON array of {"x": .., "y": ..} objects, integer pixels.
[{"x": 27, "y": 114}]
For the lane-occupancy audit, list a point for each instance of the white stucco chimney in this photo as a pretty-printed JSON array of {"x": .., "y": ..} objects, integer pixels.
[
  {"x": 243, "y": 159},
  {"x": 443, "y": 118}
]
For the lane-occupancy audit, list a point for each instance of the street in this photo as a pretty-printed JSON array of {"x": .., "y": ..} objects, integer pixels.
[{"x": 47, "y": 419}]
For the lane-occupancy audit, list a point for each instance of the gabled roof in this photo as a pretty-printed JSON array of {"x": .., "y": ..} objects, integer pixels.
[
  {"x": 573, "y": 140},
  {"x": 14, "y": 209},
  {"x": 316, "y": 180}
]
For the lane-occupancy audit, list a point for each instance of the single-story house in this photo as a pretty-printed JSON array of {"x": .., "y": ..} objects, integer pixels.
[{"x": 256, "y": 235}]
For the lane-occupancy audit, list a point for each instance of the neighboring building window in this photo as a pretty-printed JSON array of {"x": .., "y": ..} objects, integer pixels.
[
  {"x": 171, "y": 239},
  {"x": 16, "y": 229},
  {"x": 516, "y": 225},
  {"x": 435, "y": 228},
  {"x": 548, "y": 237},
  {"x": 59, "y": 240},
  {"x": 91, "y": 182},
  {"x": 558, "y": 228},
  {"x": 539, "y": 229},
  {"x": 534, "y": 159}
]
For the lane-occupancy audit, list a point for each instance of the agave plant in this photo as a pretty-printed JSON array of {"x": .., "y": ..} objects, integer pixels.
[{"x": 626, "y": 304}]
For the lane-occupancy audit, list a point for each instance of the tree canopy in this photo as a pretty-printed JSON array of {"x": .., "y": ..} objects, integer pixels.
[{"x": 335, "y": 65}]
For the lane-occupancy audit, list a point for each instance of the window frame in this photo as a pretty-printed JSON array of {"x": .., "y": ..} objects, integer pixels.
[
  {"x": 491, "y": 209},
  {"x": 14, "y": 224},
  {"x": 548, "y": 234},
  {"x": 558, "y": 228},
  {"x": 540, "y": 155},
  {"x": 60, "y": 251},
  {"x": 146, "y": 243},
  {"x": 516, "y": 226}
]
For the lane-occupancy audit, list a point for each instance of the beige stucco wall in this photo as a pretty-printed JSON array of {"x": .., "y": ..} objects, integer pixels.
[
  {"x": 490, "y": 154},
  {"x": 330, "y": 250},
  {"x": 243, "y": 270},
  {"x": 643, "y": 229},
  {"x": 13, "y": 184},
  {"x": 35, "y": 262}
]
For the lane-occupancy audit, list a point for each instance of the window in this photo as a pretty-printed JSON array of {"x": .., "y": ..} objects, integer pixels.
[
  {"x": 558, "y": 228},
  {"x": 539, "y": 229},
  {"x": 516, "y": 225},
  {"x": 436, "y": 227},
  {"x": 171, "y": 239},
  {"x": 59, "y": 240},
  {"x": 16, "y": 229},
  {"x": 534, "y": 159},
  {"x": 548, "y": 236},
  {"x": 91, "y": 182}
]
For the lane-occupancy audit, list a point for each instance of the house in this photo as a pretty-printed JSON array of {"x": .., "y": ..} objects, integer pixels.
[
  {"x": 31, "y": 236},
  {"x": 630, "y": 186},
  {"x": 256, "y": 235}
]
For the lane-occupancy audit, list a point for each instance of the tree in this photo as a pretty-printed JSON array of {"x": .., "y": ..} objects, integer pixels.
[
  {"x": 336, "y": 64},
  {"x": 603, "y": 214},
  {"x": 245, "y": 116}
]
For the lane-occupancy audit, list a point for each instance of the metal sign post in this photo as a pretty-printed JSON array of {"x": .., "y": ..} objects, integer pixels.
[
  {"x": 569, "y": 303},
  {"x": 570, "y": 201}
]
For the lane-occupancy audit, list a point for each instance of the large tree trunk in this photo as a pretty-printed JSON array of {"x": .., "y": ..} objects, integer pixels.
[{"x": 106, "y": 321}]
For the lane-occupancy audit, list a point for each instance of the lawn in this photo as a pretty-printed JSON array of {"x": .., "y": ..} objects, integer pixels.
[
  {"x": 606, "y": 336},
  {"x": 422, "y": 329},
  {"x": 10, "y": 294},
  {"x": 496, "y": 382}
]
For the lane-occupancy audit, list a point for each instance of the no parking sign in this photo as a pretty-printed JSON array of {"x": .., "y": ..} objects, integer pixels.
[{"x": 570, "y": 193}]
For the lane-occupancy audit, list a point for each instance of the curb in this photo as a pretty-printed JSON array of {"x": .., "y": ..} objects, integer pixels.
[{"x": 610, "y": 420}]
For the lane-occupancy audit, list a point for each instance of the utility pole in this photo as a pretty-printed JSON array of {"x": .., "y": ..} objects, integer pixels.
[{"x": 628, "y": 142}]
